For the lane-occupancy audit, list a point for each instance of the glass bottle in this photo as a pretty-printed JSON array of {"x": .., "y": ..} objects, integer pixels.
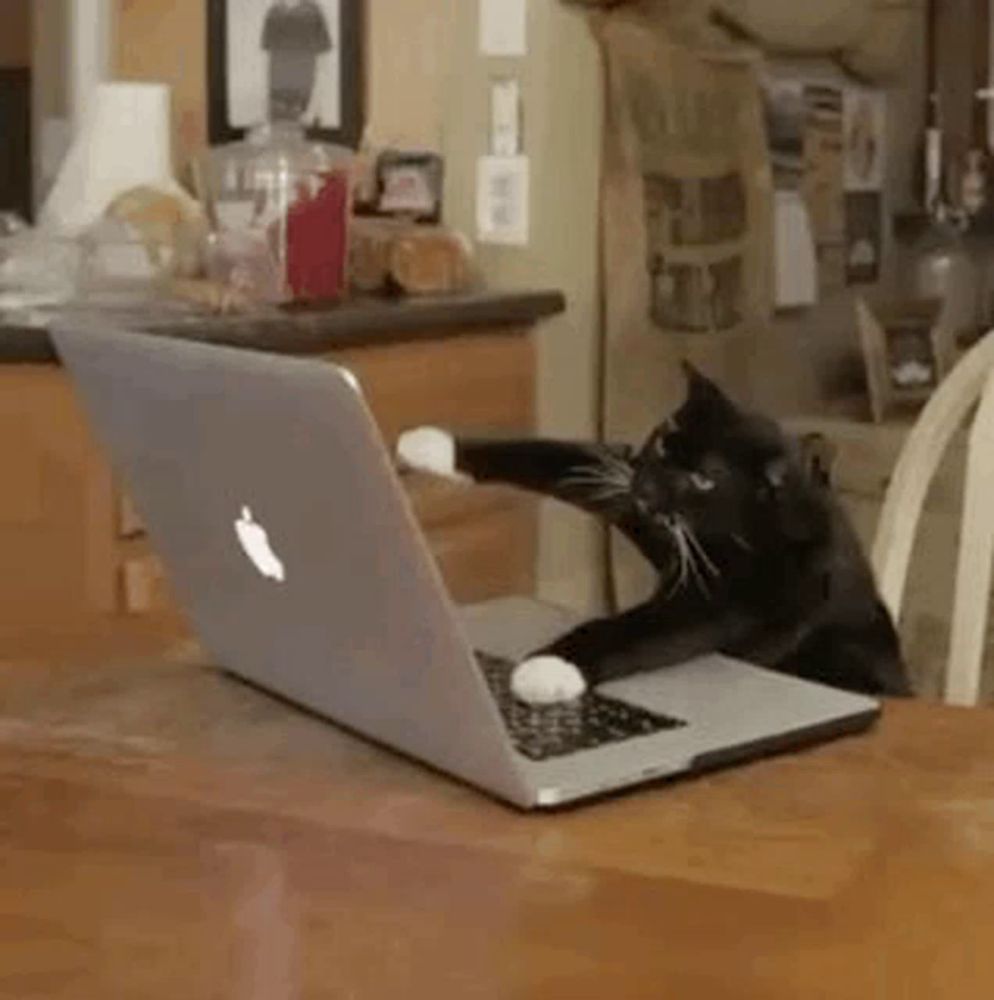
[{"x": 279, "y": 206}]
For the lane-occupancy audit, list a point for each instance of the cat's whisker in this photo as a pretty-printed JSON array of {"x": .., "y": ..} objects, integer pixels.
[
  {"x": 597, "y": 485},
  {"x": 620, "y": 469},
  {"x": 592, "y": 474},
  {"x": 692, "y": 559},
  {"x": 701, "y": 551},
  {"x": 606, "y": 494},
  {"x": 742, "y": 543},
  {"x": 583, "y": 480},
  {"x": 683, "y": 552}
]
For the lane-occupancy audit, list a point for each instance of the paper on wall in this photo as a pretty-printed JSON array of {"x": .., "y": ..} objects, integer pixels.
[
  {"x": 503, "y": 27},
  {"x": 863, "y": 132},
  {"x": 502, "y": 195}
]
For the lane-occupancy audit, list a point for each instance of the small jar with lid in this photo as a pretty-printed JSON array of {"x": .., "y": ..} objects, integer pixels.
[{"x": 279, "y": 206}]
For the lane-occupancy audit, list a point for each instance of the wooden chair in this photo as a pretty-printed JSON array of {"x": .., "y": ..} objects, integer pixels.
[{"x": 972, "y": 379}]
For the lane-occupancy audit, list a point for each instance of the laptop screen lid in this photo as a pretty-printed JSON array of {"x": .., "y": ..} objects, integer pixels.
[{"x": 267, "y": 492}]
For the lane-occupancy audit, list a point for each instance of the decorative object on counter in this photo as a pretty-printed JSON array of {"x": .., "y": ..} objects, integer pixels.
[
  {"x": 393, "y": 255},
  {"x": 285, "y": 60},
  {"x": 124, "y": 142},
  {"x": 171, "y": 229},
  {"x": 214, "y": 296},
  {"x": 279, "y": 207},
  {"x": 905, "y": 353},
  {"x": 37, "y": 269},
  {"x": 431, "y": 261},
  {"x": 370, "y": 242},
  {"x": 409, "y": 185},
  {"x": 116, "y": 260}
]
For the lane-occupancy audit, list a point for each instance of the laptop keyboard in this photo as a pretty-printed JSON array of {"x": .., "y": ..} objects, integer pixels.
[{"x": 541, "y": 732}]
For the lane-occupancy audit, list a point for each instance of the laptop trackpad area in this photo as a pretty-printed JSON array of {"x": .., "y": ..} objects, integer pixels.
[
  {"x": 513, "y": 627},
  {"x": 728, "y": 703}
]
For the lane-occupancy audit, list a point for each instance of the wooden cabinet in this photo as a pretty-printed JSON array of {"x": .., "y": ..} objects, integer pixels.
[{"x": 71, "y": 542}]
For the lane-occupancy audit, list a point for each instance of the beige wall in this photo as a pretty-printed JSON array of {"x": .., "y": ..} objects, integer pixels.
[
  {"x": 561, "y": 86},
  {"x": 408, "y": 58}
]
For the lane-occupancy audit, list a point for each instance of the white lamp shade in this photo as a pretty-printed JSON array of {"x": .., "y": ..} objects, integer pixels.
[{"x": 124, "y": 141}]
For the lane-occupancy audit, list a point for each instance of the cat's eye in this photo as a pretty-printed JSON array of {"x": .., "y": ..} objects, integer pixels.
[{"x": 700, "y": 482}]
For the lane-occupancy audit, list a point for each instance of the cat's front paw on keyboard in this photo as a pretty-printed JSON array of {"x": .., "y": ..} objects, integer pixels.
[
  {"x": 429, "y": 449},
  {"x": 547, "y": 680}
]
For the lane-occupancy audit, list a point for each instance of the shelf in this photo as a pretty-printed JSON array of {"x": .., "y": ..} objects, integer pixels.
[{"x": 909, "y": 226}]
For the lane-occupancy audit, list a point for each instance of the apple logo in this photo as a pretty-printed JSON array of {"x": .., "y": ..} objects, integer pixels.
[{"x": 255, "y": 543}]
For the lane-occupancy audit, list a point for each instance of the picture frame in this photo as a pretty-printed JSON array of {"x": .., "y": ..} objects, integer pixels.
[
  {"x": 906, "y": 353},
  {"x": 409, "y": 185},
  {"x": 237, "y": 92}
]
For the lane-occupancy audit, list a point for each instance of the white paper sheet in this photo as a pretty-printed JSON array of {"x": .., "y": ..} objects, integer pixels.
[
  {"x": 503, "y": 27},
  {"x": 796, "y": 265},
  {"x": 502, "y": 207},
  {"x": 505, "y": 118}
]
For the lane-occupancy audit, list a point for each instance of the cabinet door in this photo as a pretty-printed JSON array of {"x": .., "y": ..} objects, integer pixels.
[
  {"x": 56, "y": 501},
  {"x": 484, "y": 538}
]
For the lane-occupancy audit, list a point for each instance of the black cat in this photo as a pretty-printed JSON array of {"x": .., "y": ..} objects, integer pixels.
[{"x": 755, "y": 557}]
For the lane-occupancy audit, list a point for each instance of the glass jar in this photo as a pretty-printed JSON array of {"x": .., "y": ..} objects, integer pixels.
[{"x": 279, "y": 206}]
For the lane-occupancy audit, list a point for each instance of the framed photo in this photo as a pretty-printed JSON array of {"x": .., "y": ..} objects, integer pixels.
[
  {"x": 285, "y": 58},
  {"x": 409, "y": 185},
  {"x": 905, "y": 353}
]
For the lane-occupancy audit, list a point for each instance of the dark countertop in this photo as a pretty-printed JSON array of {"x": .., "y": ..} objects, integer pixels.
[{"x": 354, "y": 323}]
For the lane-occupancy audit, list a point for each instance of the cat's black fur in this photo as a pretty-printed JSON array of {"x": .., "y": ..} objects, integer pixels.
[{"x": 756, "y": 558}]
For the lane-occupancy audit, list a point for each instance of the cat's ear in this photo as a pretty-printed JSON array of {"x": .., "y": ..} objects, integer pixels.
[
  {"x": 817, "y": 456},
  {"x": 702, "y": 393}
]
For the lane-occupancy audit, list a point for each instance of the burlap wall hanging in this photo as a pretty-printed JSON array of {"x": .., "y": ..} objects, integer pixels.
[{"x": 686, "y": 217}]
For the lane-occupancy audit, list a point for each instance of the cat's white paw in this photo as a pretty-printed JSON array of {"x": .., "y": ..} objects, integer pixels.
[
  {"x": 545, "y": 680},
  {"x": 429, "y": 449}
]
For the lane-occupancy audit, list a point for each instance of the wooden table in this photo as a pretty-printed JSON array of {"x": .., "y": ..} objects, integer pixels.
[{"x": 166, "y": 832}]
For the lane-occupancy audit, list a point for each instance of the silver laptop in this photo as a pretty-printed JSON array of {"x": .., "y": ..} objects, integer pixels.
[{"x": 277, "y": 512}]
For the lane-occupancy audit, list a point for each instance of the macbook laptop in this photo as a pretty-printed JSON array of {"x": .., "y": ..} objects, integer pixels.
[{"x": 282, "y": 523}]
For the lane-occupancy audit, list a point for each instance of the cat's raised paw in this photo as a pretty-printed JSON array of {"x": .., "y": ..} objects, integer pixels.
[
  {"x": 428, "y": 449},
  {"x": 546, "y": 680}
]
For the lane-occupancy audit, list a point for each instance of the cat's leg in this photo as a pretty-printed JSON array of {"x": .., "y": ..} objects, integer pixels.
[
  {"x": 563, "y": 670},
  {"x": 591, "y": 476},
  {"x": 647, "y": 637}
]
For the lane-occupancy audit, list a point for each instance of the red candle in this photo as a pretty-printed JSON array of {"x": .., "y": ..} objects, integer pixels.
[{"x": 316, "y": 240}]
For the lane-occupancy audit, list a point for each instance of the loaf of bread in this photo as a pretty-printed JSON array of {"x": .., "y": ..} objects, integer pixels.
[
  {"x": 431, "y": 260},
  {"x": 370, "y": 242}
]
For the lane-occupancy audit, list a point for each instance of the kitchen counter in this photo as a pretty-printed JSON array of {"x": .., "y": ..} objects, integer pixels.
[
  {"x": 72, "y": 544},
  {"x": 355, "y": 323}
]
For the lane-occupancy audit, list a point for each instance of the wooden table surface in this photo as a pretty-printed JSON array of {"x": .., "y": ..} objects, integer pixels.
[{"x": 166, "y": 832}]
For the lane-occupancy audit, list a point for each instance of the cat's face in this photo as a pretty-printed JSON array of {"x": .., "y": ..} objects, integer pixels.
[{"x": 712, "y": 471}]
